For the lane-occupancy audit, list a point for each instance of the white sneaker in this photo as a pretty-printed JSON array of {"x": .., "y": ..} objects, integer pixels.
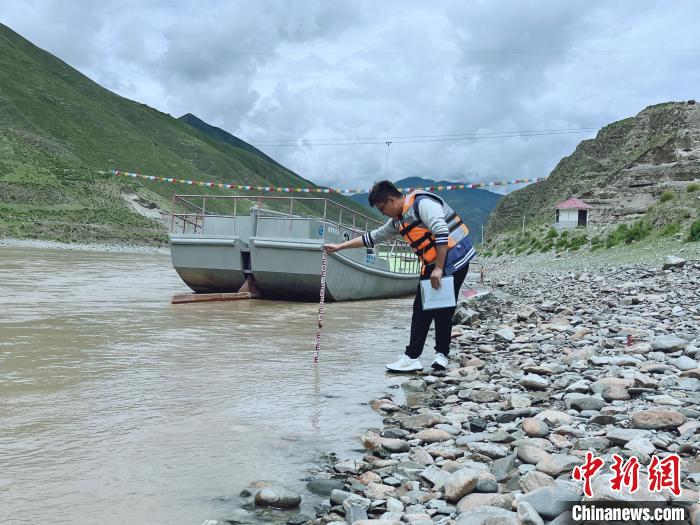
[
  {"x": 405, "y": 364},
  {"x": 439, "y": 362}
]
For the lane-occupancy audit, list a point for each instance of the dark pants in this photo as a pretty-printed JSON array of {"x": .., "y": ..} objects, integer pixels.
[{"x": 421, "y": 319}]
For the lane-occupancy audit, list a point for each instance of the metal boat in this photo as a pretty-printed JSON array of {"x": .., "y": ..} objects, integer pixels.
[{"x": 273, "y": 246}]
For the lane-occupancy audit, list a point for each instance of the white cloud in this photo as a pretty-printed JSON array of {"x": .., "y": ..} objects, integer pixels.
[{"x": 340, "y": 69}]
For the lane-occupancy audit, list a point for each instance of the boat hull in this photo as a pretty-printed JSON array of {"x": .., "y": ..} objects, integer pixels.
[
  {"x": 291, "y": 270},
  {"x": 208, "y": 265}
]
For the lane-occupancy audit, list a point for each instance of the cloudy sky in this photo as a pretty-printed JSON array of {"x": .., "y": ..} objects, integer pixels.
[{"x": 321, "y": 85}]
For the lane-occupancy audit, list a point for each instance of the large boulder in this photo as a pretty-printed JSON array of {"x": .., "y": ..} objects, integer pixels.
[
  {"x": 673, "y": 261},
  {"x": 552, "y": 500},
  {"x": 668, "y": 343},
  {"x": 277, "y": 497},
  {"x": 657, "y": 419},
  {"x": 488, "y": 516}
]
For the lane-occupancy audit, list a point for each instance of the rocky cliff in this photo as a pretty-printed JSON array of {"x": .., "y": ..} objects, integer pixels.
[{"x": 621, "y": 172}]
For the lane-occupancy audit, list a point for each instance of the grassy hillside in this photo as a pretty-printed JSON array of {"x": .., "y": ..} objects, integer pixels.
[
  {"x": 58, "y": 128},
  {"x": 224, "y": 137},
  {"x": 474, "y": 205},
  {"x": 676, "y": 217}
]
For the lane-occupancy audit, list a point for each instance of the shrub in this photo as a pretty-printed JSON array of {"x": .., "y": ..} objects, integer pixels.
[
  {"x": 692, "y": 187},
  {"x": 577, "y": 242},
  {"x": 562, "y": 243},
  {"x": 671, "y": 229},
  {"x": 616, "y": 236},
  {"x": 638, "y": 231},
  {"x": 551, "y": 234},
  {"x": 667, "y": 196},
  {"x": 694, "y": 233}
]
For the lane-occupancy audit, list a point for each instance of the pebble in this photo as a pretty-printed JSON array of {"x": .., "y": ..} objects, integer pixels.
[
  {"x": 615, "y": 393},
  {"x": 558, "y": 463},
  {"x": 538, "y": 378},
  {"x": 506, "y": 335},
  {"x": 587, "y": 403},
  {"x": 433, "y": 435},
  {"x": 459, "y": 484},
  {"x": 534, "y": 381},
  {"x": 535, "y": 427},
  {"x": 323, "y": 487},
  {"x": 475, "y": 499},
  {"x": 535, "y": 480},
  {"x": 528, "y": 515},
  {"x": 684, "y": 363},
  {"x": 532, "y": 455}
]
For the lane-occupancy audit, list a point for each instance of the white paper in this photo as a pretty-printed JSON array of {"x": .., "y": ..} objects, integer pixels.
[{"x": 443, "y": 297}]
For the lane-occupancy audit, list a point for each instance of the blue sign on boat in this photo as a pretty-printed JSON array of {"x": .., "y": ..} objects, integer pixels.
[{"x": 320, "y": 231}]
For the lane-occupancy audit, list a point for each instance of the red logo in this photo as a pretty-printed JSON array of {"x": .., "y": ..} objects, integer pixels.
[
  {"x": 586, "y": 471},
  {"x": 665, "y": 474},
  {"x": 626, "y": 474}
]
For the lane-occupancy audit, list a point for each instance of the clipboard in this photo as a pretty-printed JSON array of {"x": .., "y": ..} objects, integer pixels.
[{"x": 433, "y": 299}]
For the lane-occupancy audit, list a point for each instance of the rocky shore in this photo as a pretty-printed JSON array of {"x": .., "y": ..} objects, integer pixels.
[
  {"x": 86, "y": 247},
  {"x": 545, "y": 367}
]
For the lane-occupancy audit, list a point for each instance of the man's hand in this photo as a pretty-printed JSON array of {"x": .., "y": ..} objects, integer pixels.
[
  {"x": 435, "y": 277},
  {"x": 331, "y": 248}
]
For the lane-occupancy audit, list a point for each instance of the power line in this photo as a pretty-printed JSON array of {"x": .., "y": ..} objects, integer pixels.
[
  {"x": 385, "y": 53},
  {"x": 466, "y": 134},
  {"x": 352, "y": 142}
]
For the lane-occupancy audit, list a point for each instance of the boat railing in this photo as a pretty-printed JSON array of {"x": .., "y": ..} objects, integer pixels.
[{"x": 190, "y": 212}]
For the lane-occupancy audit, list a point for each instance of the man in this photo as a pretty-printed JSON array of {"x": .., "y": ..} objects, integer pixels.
[{"x": 441, "y": 241}]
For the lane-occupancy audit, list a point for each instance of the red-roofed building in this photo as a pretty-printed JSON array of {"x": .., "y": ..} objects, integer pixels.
[{"x": 572, "y": 213}]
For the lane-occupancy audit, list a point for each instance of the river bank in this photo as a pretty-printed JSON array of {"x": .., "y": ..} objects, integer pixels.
[
  {"x": 560, "y": 363},
  {"x": 84, "y": 247}
]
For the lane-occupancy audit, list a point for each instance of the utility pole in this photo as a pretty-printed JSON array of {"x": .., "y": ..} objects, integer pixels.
[
  {"x": 523, "y": 223},
  {"x": 386, "y": 160},
  {"x": 482, "y": 234}
]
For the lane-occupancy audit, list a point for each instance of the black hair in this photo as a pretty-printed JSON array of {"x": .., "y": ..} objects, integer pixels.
[{"x": 381, "y": 192}]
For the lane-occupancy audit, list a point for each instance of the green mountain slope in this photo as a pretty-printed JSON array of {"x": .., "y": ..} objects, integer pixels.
[
  {"x": 225, "y": 137},
  {"x": 474, "y": 205},
  {"x": 58, "y": 128}
]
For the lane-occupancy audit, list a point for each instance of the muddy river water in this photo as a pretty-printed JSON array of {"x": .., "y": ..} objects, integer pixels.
[{"x": 118, "y": 407}]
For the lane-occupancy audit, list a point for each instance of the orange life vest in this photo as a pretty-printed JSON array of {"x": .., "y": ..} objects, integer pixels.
[{"x": 419, "y": 236}]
